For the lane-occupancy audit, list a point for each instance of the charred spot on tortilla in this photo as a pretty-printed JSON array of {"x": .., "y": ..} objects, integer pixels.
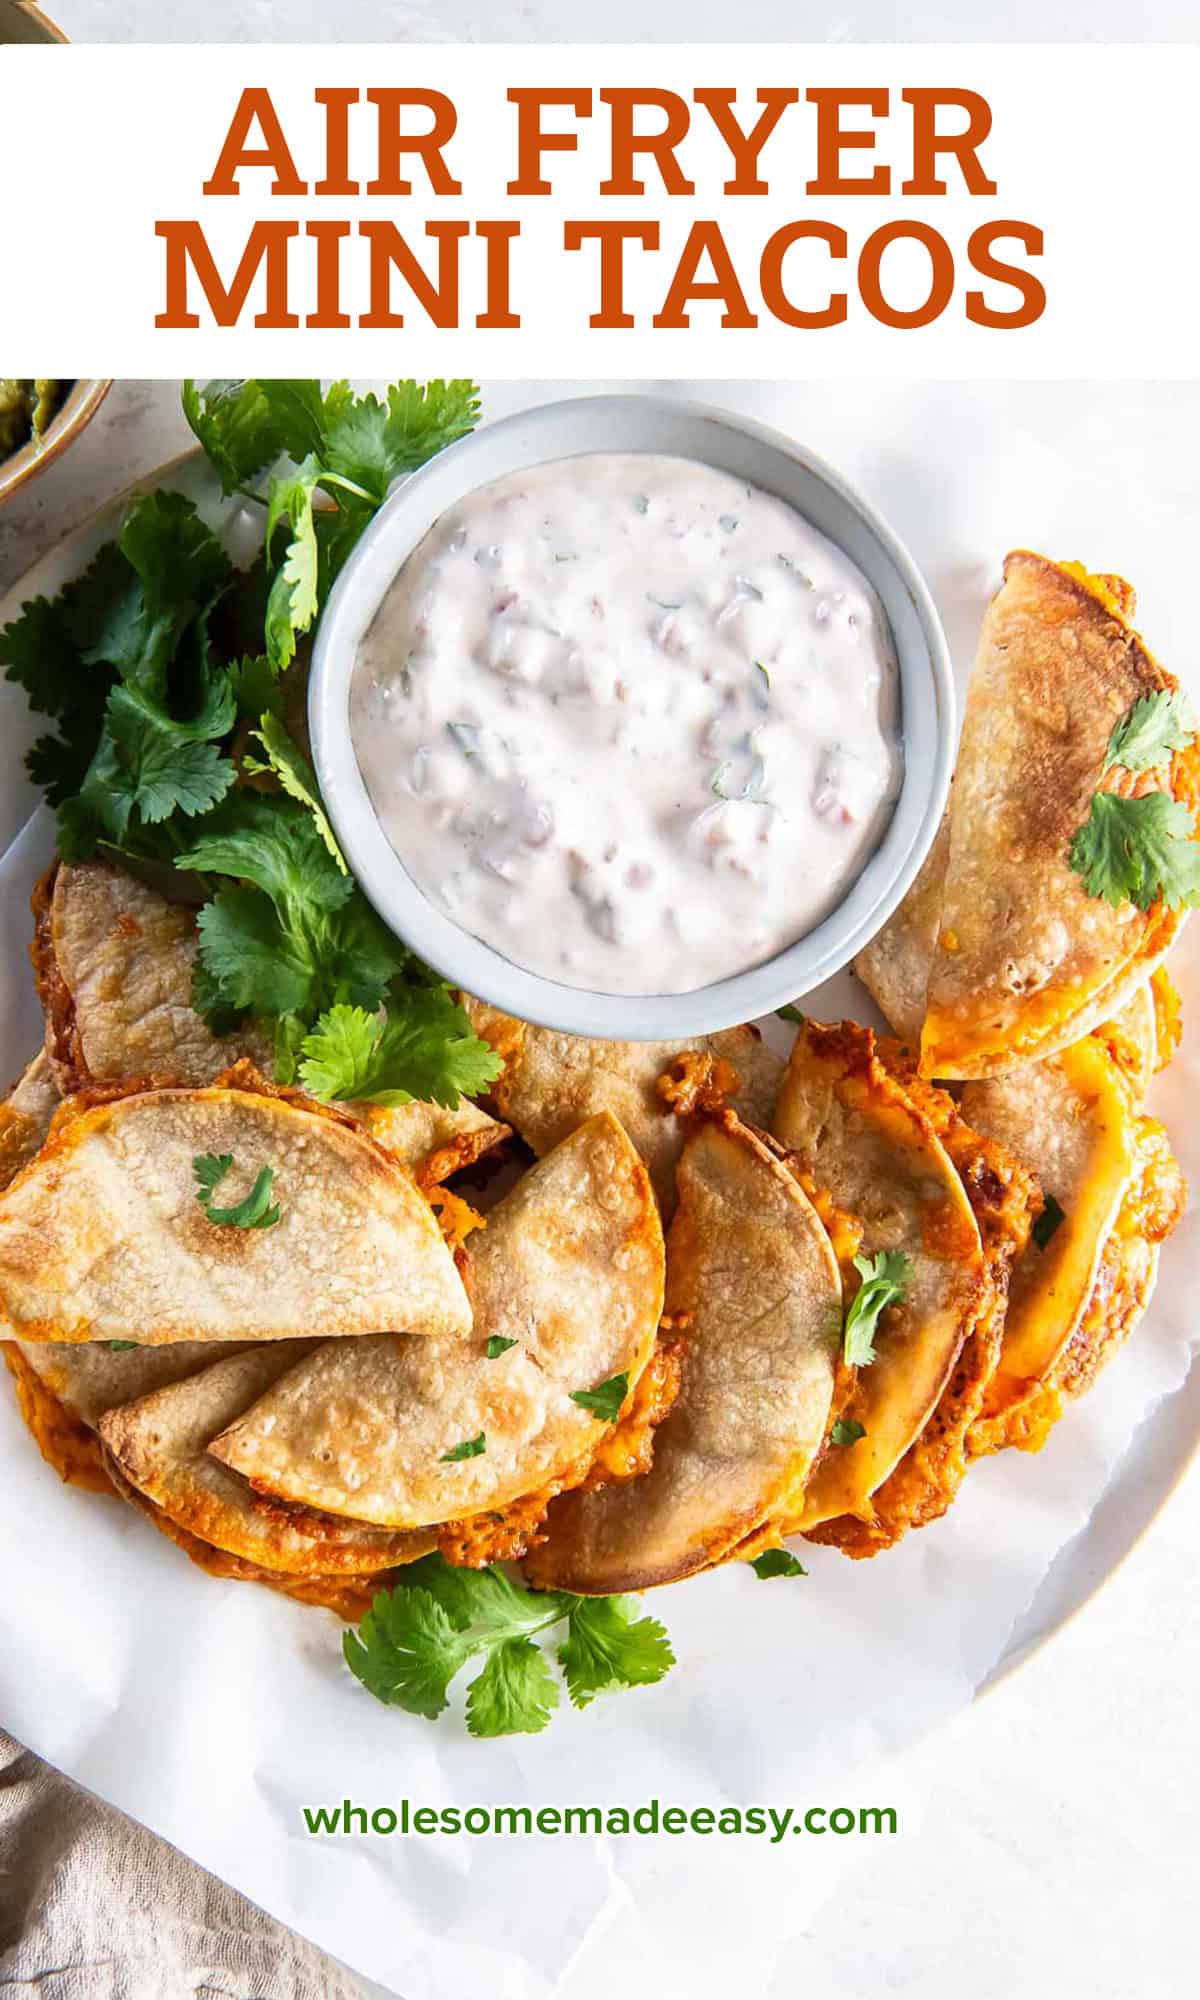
[
  {"x": 568, "y": 1276},
  {"x": 753, "y": 1279},
  {"x": 101, "y": 1237}
]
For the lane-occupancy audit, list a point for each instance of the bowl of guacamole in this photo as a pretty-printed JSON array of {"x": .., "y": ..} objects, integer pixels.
[{"x": 39, "y": 417}]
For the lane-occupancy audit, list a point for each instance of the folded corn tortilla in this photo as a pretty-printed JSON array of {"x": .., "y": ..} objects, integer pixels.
[
  {"x": 1005, "y": 1201},
  {"x": 753, "y": 1284},
  {"x": 159, "y": 1445},
  {"x": 1112, "y": 1178},
  {"x": 25, "y": 1116},
  {"x": 114, "y": 963},
  {"x": 102, "y": 1236},
  {"x": 569, "y": 1268},
  {"x": 858, "y": 1135},
  {"x": 1026, "y": 961},
  {"x": 551, "y": 1082}
]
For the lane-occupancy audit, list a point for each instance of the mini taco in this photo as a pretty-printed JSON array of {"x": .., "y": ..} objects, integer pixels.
[
  {"x": 1113, "y": 1193},
  {"x": 233, "y": 1212},
  {"x": 1027, "y": 958},
  {"x": 551, "y": 1082},
  {"x": 1005, "y": 1200},
  {"x": 114, "y": 964},
  {"x": 475, "y": 1437},
  {"x": 861, "y": 1140},
  {"x": 753, "y": 1284},
  {"x": 159, "y": 1443}
]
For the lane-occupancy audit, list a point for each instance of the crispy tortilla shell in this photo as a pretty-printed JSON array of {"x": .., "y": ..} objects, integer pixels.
[
  {"x": 159, "y": 1445},
  {"x": 1152, "y": 1205},
  {"x": 894, "y": 967},
  {"x": 25, "y": 1116},
  {"x": 1026, "y": 961},
  {"x": 1070, "y": 1121},
  {"x": 1005, "y": 1201},
  {"x": 113, "y": 961},
  {"x": 859, "y": 1136},
  {"x": 102, "y": 1236},
  {"x": 551, "y": 1082},
  {"x": 569, "y": 1268},
  {"x": 753, "y": 1285}
]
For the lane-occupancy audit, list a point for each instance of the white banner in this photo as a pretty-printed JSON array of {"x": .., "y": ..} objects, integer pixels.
[{"x": 377, "y": 210}]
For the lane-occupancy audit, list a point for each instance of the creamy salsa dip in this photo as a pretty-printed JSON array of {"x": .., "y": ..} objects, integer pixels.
[{"x": 629, "y": 720}]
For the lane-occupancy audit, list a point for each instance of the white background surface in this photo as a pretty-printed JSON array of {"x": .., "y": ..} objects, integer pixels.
[{"x": 1059, "y": 1843}]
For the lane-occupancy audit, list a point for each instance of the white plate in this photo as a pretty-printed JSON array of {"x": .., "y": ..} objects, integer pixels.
[{"x": 210, "y": 1711}]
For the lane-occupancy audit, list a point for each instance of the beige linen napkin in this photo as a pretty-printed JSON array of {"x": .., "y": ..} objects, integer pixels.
[{"x": 92, "y": 1907}]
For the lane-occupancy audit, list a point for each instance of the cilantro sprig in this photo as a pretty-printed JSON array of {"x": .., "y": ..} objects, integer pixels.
[
  {"x": 1142, "y": 850},
  {"x": 418, "y": 1637},
  {"x": 170, "y": 677},
  {"x": 254, "y": 1211},
  {"x": 885, "y": 1282}
]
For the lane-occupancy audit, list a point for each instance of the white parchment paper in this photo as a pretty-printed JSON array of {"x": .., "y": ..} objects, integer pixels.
[{"x": 213, "y": 1712}]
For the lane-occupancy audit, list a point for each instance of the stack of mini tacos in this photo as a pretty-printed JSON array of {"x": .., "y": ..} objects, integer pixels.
[{"x": 724, "y": 1299}]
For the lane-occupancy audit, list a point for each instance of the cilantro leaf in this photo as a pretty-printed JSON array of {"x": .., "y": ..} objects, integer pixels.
[
  {"x": 424, "y": 1049},
  {"x": 469, "y": 1448},
  {"x": 274, "y": 844},
  {"x": 1048, "y": 1223},
  {"x": 846, "y": 1431},
  {"x": 515, "y": 1694},
  {"x": 179, "y": 568},
  {"x": 1139, "y": 851},
  {"x": 304, "y": 414},
  {"x": 237, "y": 425},
  {"x": 776, "y": 1562},
  {"x": 407, "y": 1651},
  {"x": 304, "y": 937},
  {"x": 608, "y": 1646},
  {"x": 790, "y": 1013},
  {"x": 292, "y": 603},
  {"x": 166, "y": 768},
  {"x": 254, "y": 1211},
  {"x": 373, "y": 443},
  {"x": 605, "y": 1400},
  {"x": 42, "y": 649},
  {"x": 287, "y": 762},
  {"x": 255, "y": 688},
  {"x": 498, "y": 1345},
  {"x": 416, "y": 1637},
  {"x": 885, "y": 1280},
  {"x": 1154, "y": 727},
  {"x": 249, "y": 960}
]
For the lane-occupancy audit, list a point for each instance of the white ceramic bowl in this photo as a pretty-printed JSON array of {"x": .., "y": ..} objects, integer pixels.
[{"x": 750, "y": 452}]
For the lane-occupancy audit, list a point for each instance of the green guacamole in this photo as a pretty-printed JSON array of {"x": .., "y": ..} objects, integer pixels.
[{"x": 27, "y": 409}]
